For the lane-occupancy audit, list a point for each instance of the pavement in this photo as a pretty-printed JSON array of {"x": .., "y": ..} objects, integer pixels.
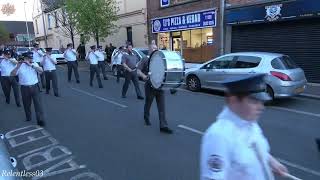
[{"x": 93, "y": 133}]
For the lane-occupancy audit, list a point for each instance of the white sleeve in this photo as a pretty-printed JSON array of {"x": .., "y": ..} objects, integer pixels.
[
  {"x": 35, "y": 64},
  {"x": 215, "y": 158}
]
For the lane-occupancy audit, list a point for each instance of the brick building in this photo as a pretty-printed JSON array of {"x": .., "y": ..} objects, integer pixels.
[
  {"x": 289, "y": 27},
  {"x": 191, "y": 27}
]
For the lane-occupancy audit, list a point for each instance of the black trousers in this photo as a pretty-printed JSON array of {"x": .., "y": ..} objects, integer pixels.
[
  {"x": 32, "y": 94},
  {"x": 102, "y": 68},
  {"x": 73, "y": 65},
  {"x": 8, "y": 82},
  {"x": 119, "y": 69},
  {"x": 51, "y": 76},
  {"x": 150, "y": 94},
  {"x": 94, "y": 70},
  {"x": 42, "y": 78},
  {"x": 131, "y": 76}
]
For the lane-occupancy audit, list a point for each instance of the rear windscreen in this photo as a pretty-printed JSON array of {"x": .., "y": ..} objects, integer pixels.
[{"x": 283, "y": 62}]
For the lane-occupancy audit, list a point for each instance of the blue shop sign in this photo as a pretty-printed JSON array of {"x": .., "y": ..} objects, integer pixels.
[
  {"x": 164, "y": 3},
  {"x": 274, "y": 12},
  {"x": 194, "y": 20}
]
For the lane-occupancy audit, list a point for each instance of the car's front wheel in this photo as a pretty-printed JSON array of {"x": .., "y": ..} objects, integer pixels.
[{"x": 193, "y": 83}]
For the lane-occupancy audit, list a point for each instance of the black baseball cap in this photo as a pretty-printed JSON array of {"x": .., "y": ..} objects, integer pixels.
[{"x": 252, "y": 85}]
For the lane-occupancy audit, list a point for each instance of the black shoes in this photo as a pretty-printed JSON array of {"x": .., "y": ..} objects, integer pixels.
[
  {"x": 318, "y": 143},
  {"x": 91, "y": 85},
  {"x": 105, "y": 78},
  {"x": 100, "y": 86},
  {"x": 18, "y": 105},
  {"x": 147, "y": 123},
  {"x": 56, "y": 95},
  {"x": 166, "y": 130},
  {"x": 140, "y": 97},
  {"x": 8, "y": 101},
  {"x": 78, "y": 82},
  {"x": 41, "y": 123}
]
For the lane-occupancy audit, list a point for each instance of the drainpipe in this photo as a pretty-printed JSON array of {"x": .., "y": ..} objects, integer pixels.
[{"x": 222, "y": 27}]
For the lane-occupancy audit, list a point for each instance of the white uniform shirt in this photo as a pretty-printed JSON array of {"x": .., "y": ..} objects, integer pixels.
[
  {"x": 6, "y": 67},
  {"x": 27, "y": 75},
  {"x": 70, "y": 55},
  {"x": 37, "y": 56},
  {"x": 47, "y": 63},
  {"x": 100, "y": 55},
  {"x": 226, "y": 150},
  {"x": 92, "y": 56},
  {"x": 118, "y": 58}
]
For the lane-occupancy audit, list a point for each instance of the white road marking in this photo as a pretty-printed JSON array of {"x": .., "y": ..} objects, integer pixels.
[
  {"x": 304, "y": 169},
  {"x": 100, "y": 98},
  {"x": 310, "y": 96},
  {"x": 296, "y": 111},
  {"x": 191, "y": 129}
]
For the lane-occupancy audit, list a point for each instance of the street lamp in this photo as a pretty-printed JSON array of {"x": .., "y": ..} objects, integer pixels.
[{"x": 25, "y": 14}]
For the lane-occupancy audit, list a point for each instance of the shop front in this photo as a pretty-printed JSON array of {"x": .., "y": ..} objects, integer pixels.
[
  {"x": 191, "y": 34},
  {"x": 286, "y": 27}
]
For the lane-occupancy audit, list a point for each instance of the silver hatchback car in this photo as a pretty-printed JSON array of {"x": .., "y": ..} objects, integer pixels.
[{"x": 284, "y": 77}]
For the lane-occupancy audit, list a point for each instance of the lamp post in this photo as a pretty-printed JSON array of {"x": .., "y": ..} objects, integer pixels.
[{"x": 25, "y": 14}]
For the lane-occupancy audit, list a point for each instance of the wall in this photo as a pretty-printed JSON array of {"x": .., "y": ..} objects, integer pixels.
[{"x": 131, "y": 13}]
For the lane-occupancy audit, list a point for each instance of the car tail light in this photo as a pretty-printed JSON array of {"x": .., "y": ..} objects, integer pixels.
[{"x": 281, "y": 76}]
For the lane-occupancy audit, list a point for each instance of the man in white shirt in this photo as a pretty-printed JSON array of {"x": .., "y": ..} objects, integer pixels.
[
  {"x": 71, "y": 56},
  {"x": 101, "y": 64},
  {"x": 37, "y": 57},
  {"x": 117, "y": 61},
  {"x": 234, "y": 147},
  {"x": 94, "y": 70},
  {"x": 7, "y": 64},
  {"x": 49, "y": 66},
  {"x": 27, "y": 71}
]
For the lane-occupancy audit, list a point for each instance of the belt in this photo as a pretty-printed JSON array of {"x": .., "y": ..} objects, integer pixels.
[
  {"x": 29, "y": 86},
  {"x": 49, "y": 70}
]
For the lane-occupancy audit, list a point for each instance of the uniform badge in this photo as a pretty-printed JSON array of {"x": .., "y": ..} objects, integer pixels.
[{"x": 215, "y": 163}]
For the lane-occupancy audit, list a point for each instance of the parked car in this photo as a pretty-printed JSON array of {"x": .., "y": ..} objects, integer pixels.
[
  {"x": 284, "y": 78},
  {"x": 139, "y": 52},
  {"x": 21, "y": 50},
  {"x": 59, "y": 56}
]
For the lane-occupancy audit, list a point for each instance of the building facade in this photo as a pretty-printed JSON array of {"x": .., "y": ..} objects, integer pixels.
[
  {"x": 280, "y": 26},
  {"x": 191, "y": 27},
  {"x": 132, "y": 25},
  {"x": 18, "y": 34}
]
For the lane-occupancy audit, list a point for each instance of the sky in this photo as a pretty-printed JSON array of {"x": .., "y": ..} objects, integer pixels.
[{"x": 19, "y": 14}]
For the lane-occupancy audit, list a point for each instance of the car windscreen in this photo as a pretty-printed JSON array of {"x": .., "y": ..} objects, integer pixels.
[
  {"x": 283, "y": 63},
  {"x": 145, "y": 52},
  {"x": 22, "y": 49},
  {"x": 55, "y": 52}
]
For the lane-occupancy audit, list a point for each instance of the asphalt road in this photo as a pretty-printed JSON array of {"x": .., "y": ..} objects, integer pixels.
[{"x": 93, "y": 133}]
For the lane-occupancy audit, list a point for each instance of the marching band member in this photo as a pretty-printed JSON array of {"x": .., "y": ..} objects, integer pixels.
[
  {"x": 94, "y": 70},
  {"x": 129, "y": 62},
  {"x": 151, "y": 93},
  {"x": 49, "y": 66},
  {"x": 37, "y": 57},
  {"x": 101, "y": 64},
  {"x": 71, "y": 56},
  {"x": 234, "y": 147},
  {"x": 7, "y": 64},
  {"x": 27, "y": 72}
]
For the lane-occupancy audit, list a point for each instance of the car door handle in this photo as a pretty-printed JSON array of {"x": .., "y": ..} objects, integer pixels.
[{"x": 252, "y": 72}]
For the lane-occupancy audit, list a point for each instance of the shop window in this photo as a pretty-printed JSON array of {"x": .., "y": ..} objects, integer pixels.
[{"x": 197, "y": 45}]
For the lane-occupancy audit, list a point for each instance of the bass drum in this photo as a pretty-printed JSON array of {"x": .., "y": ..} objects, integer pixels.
[{"x": 166, "y": 69}]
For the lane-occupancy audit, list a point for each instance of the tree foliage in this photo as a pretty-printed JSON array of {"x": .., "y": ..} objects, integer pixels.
[
  {"x": 4, "y": 34},
  {"x": 94, "y": 18}
]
